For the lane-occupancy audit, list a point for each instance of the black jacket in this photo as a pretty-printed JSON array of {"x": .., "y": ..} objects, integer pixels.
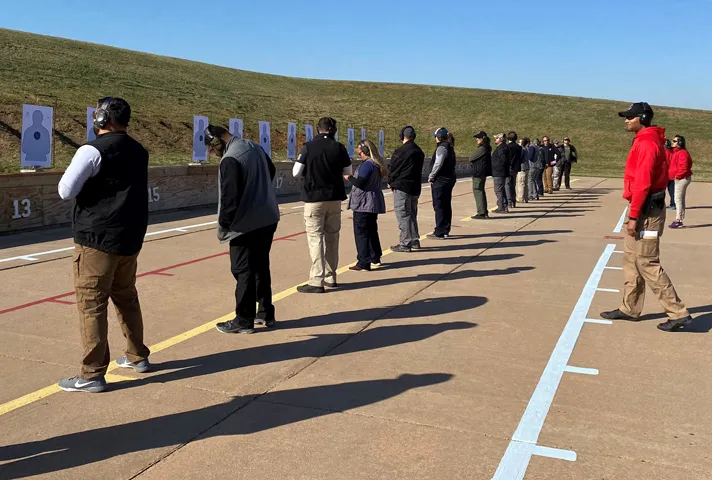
[
  {"x": 406, "y": 169},
  {"x": 515, "y": 158},
  {"x": 448, "y": 169},
  {"x": 500, "y": 161},
  {"x": 548, "y": 155},
  {"x": 324, "y": 160},
  {"x": 111, "y": 211},
  {"x": 481, "y": 161}
]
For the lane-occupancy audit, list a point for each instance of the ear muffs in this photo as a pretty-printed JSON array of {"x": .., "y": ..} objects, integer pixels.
[
  {"x": 101, "y": 114},
  {"x": 364, "y": 148},
  {"x": 332, "y": 127},
  {"x": 402, "y": 132},
  {"x": 680, "y": 141},
  {"x": 646, "y": 119}
]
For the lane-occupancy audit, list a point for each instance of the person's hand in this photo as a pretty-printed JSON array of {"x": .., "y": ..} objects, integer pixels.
[
  {"x": 632, "y": 227},
  {"x": 346, "y": 177},
  {"x": 430, "y": 180}
]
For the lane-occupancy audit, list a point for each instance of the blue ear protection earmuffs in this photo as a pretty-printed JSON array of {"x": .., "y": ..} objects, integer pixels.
[{"x": 101, "y": 115}]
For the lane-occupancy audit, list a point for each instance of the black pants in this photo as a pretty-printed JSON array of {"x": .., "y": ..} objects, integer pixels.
[
  {"x": 509, "y": 190},
  {"x": 566, "y": 173},
  {"x": 671, "y": 192},
  {"x": 501, "y": 192},
  {"x": 442, "y": 203},
  {"x": 368, "y": 245},
  {"x": 249, "y": 262}
]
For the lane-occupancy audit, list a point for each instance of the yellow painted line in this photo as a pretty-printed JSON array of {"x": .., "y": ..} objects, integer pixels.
[{"x": 180, "y": 338}]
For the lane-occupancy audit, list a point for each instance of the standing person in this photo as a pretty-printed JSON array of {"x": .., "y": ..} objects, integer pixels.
[
  {"x": 541, "y": 167},
  {"x": 515, "y": 166},
  {"x": 108, "y": 180},
  {"x": 534, "y": 170},
  {"x": 644, "y": 185},
  {"x": 549, "y": 158},
  {"x": 570, "y": 156},
  {"x": 523, "y": 176},
  {"x": 322, "y": 163},
  {"x": 248, "y": 214},
  {"x": 367, "y": 202},
  {"x": 558, "y": 166},
  {"x": 683, "y": 176},
  {"x": 500, "y": 172},
  {"x": 671, "y": 173},
  {"x": 442, "y": 178},
  {"x": 481, "y": 161},
  {"x": 404, "y": 178}
]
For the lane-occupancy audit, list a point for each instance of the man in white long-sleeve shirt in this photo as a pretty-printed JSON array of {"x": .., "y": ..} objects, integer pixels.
[{"x": 322, "y": 163}]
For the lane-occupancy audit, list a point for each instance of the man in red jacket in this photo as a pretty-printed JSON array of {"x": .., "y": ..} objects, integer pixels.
[{"x": 645, "y": 181}]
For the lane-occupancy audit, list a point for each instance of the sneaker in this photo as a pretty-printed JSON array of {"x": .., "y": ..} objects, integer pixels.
[
  {"x": 234, "y": 326},
  {"x": 501, "y": 210},
  {"x": 415, "y": 245},
  {"x": 672, "y": 325},
  {"x": 618, "y": 315},
  {"x": 76, "y": 384},
  {"x": 432, "y": 236},
  {"x": 401, "y": 249},
  {"x": 358, "y": 268},
  {"x": 675, "y": 224},
  {"x": 480, "y": 217},
  {"x": 271, "y": 323},
  {"x": 376, "y": 265},
  {"x": 331, "y": 285},
  {"x": 672, "y": 207},
  {"x": 141, "y": 367},
  {"x": 310, "y": 289}
]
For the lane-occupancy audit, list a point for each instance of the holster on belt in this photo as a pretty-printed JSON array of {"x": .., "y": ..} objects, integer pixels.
[{"x": 654, "y": 201}]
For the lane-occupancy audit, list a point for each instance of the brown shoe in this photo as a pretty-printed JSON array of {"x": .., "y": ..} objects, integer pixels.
[
  {"x": 618, "y": 315},
  {"x": 673, "y": 325}
]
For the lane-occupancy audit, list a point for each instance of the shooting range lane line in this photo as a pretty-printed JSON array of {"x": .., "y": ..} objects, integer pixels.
[
  {"x": 52, "y": 389},
  {"x": 619, "y": 225}
]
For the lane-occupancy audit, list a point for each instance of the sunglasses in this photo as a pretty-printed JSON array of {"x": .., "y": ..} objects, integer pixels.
[
  {"x": 674, "y": 141},
  {"x": 630, "y": 118}
]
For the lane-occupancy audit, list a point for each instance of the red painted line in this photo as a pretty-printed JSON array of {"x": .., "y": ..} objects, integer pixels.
[
  {"x": 164, "y": 274},
  {"x": 63, "y": 302},
  {"x": 160, "y": 271}
]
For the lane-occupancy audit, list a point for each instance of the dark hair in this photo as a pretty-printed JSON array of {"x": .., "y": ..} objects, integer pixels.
[
  {"x": 213, "y": 134},
  {"x": 118, "y": 109},
  {"x": 512, "y": 136},
  {"x": 525, "y": 141},
  {"x": 451, "y": 139},
  {"x": 327, "y": 125},
  {"x": 680, "y": 142},
  {"x": 668, "y": 143}
]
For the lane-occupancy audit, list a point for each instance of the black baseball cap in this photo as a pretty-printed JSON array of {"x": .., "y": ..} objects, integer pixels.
[
  {"x": 481, "y": 134},
  {"x": 636, "y": 110}
]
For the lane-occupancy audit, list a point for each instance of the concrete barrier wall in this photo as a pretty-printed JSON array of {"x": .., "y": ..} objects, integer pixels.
[{"x": 30, "y": 200}]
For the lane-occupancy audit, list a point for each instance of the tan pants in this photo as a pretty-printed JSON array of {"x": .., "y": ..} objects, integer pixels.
[
  {"x": 641, "y": 266},
  {"x": 99, "y": 276},
  {"x": 323, "y": 224},
  {"x": 680, "y": 193},
  {"x": 521, "y": 187},
  {"x": 548, "y": 180}
]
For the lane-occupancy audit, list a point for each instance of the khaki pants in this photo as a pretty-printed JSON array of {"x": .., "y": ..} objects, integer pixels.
[
  {"x": 680, "y": 193},
  {"x": 323, "y": 224},
  {"x": 521, "y": 187},
  {"x": 99, "y": 276},
  {"x": 548, "y": 180},
  {"x": 641, "y": 266}
]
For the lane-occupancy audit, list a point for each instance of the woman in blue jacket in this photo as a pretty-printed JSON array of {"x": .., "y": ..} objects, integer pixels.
[{"x": 367, "y": 202}]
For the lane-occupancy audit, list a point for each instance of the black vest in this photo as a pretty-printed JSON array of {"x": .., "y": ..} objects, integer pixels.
[
  {"x": 447, "y": 169},
  {"x": 324, "y": 162},
  {"x": 111, "y": 211}
]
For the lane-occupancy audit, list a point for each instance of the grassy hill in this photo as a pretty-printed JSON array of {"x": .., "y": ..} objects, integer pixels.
[{"x": 166, "y": 92}]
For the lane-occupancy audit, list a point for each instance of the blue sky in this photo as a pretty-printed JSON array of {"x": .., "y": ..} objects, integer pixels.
[{"x": 655, "y": 51}]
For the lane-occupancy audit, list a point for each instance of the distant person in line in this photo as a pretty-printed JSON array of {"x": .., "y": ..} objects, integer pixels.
[
  {"x": 481, "y": 161},
  {"x": 683, "y": 176},
  {"x": 108, "y": 180},
  {"x": 36, "y": 143},
  {"x": 558, "y": 166},
  {"x": 671, "y": 173},
  {"x": 405, "y": 178},
  {"x": 442, "y": 179},
  {"x": 523, "y": 175},
  {"x": 248, "y": 214},
  {"x": 534, "y": 175},
  {"x": 322, "y": 163},
  {"x": 540, "y": 166},
  {"x": 550, "y": 156},
  {"x": 501, "y": 170},
  {"x": 644, "y": 185},
  {"x": 570, "y": 156},
  {"x": 367, "y": 202},
  {"x": 515, "y": 167}
]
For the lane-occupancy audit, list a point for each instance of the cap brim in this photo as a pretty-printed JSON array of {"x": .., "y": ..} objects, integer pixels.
[{"x": 626, "y": 114}]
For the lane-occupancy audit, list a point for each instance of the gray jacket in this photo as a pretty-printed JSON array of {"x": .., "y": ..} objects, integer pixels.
[{"x": 247, "y": 199}]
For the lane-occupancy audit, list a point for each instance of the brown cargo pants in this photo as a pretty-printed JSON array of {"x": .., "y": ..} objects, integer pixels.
[
  {"x": 99, "y": 276},
  {"x": 641, "y": 266}
]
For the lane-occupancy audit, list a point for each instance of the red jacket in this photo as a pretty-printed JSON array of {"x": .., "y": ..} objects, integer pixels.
[
  {"x": 683, "y": 163},
  {"x": 671, "y": 166},
  {"x": 645, "y": 169}
]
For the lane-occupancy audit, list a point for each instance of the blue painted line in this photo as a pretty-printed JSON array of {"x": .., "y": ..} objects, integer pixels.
[
  {"x": 513, "y": 465},
  {"x": 556, "y": 453},
  {"x": 582, "y": 371}
]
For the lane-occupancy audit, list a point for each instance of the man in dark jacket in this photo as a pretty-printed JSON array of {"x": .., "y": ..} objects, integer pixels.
[
  {"x": 515, "y": 162},
  {"x": 442, "y": 179},
  {"x": 247, "y": 218},
  {"x": 549, "y": 157},
  {"x": 570, "y": 157},
  {"x": 481, "y": 161},
  {"x": 108, "y": 180},
  {"x": 405, "y": 177},
  {"x": 501, "y": 170},
  {"x": 536, "y": 187}
]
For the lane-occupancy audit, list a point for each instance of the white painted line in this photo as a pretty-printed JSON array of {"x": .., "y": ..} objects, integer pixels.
[
  {"x": 619, "y": 225},
  {"x": 515, "y": 461},
  {"x": 598, "y": 321},
  {"x": 609, "y": 290},
  {"x": 618, "y": 251},
  {"x": 31, "y": 257},
  {"x": 556, "y": 453},
  {"x": 582, "y": 371},
  {"x": 614, "y": 268},
  {"x": 297, "y": 207}
]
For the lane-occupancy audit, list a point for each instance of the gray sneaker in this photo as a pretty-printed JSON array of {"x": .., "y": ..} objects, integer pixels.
[
  {"x": 76, "y": 384},
  {"x": 141, "y": 367}
]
